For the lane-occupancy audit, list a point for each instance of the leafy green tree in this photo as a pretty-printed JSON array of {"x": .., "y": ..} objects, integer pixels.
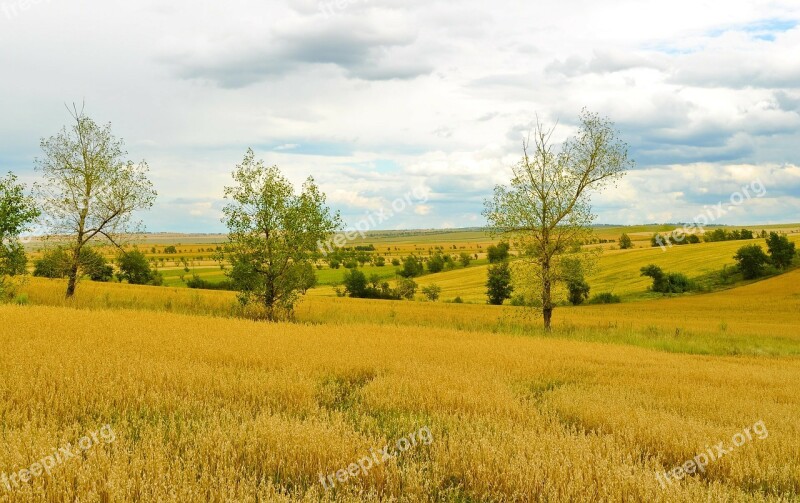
[
  {"x": 666, "y": 283},
  {"x": 355, "y": 283},
  {"x": 412, "y": 267},
  {"x": 498, "y": 284},
  {"x": 464, "y": 259},
  {"x": 498, "y": 253},
  {"x": 751, "y": 260},
  {"x": 89, "y": 190},
  {"x": 406, "y": 288},
  {"x": 436, "y": 263},
  {"x": 17, "y": 213},
  {"x": 625, "y": 242},
  {"x": 432, "y": 292},
  {"x": 273, "y": 234},
  {"x": 56, "y": 262},
  {"x": 578, "y": 291},
  {"x": 546, "y": 209},
  {"x": 781, "y": 250},
  {"x": 134, "y": 268},
  {"x": 657, "y": 275}
]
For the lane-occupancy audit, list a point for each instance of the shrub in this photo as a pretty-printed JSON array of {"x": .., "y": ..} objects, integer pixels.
[
  {"x": 464, "y": 258},
  {"x": 666, "y": 283},
  {"x": 412, "y": 267},
  {"x": 436, "y": 263},
  {"x": 625, "y": 242},
  {"x": 498, "y": 284},
  {"x": 355, "y": 283},
  {"x": 135, "y": 268},
  {"x": 406, "y": 288},
  {"x": 458, "y": 300},
  {"x": 380, "y": 261},
  {"x": 578, "y": 291},
  {"x": 605, "y": 298},
  {"x": 170, "y": 249},
  {"x": 55, "y": 263},
  {"x": 751, "y": 260},
  {"x": 431, "y": 292}
]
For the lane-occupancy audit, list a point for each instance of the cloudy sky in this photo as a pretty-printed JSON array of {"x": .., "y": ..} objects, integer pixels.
[{"x": 376, "y": 98}]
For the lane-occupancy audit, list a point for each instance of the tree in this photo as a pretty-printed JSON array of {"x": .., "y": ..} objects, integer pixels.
[
  {"x": 89, "y": 190},
  {"x": 412, "y": 267},
  {"x": 497, "y": 253},
  {"x": 17, "y": 212},
  {"x": 465, "y": 258},
  {"x": 751, "y": 260},
  {"x": 355, "y": 283},
  {"x": 273, "y": 234},
  {"x": 56, "y": 262},
  {"x": 781, "y": 250},
  {"x": 666, "y": 283},
  {"x": 406, "y": 288},
  {"x": 431, "y": 292},
  {"x": 498, "y": 283},
  {"x": 578, "y": 291},
  {"x": 436, "y": 263},
  {"x": 546, "y": 209},
  {"x": 135, "y": 268},
  {"x": 625, "y": 242}
]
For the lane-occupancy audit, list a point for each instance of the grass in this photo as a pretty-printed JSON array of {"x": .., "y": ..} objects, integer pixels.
[
  {"x": 221, "y": 409},
  {"x": 209, "y": 407},
  {"x": 735, "y": 321}
]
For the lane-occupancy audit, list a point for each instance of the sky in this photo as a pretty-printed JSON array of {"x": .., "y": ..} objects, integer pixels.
[{"x": 424, "y": 102}]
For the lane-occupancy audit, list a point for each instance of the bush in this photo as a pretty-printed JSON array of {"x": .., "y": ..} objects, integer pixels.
[
  {"x": 412, "y": 267},
  {"x": 498, "y": 253},
  {"x": 464, "y": 258},
  {"x": 625, "y": 242},
  {"x": 55, "y": 264},
  {"x": 436, "y": 263},
  {"x": 135, "y": 268},
  {"x": 781, "y": 250},
  {"x": 458, "y": 300},
  {"x": 431, "y": 292},
  {"x": 751, "y": 260},
  {"x": 355, "y": 283},
  {"x": 578, "y": 291},
  {"x": 170, "y": 249},
  {"x": 406, "y": 288},
  {"x": 666, "y": 283},
  {"x": 605, "y": 298},
  {"x": 380, "y": 261},
  {"x": 498, "y": 284}
]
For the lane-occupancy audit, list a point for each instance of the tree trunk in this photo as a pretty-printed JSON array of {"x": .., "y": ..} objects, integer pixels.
[
  {"x": 547, "y": 299},
  {"x": 547, "y": 313},
  {"x": 73, "y": 279}
]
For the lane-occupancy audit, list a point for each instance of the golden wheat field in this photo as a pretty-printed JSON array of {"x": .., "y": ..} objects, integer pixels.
[{"x": 175, "y": 400}]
